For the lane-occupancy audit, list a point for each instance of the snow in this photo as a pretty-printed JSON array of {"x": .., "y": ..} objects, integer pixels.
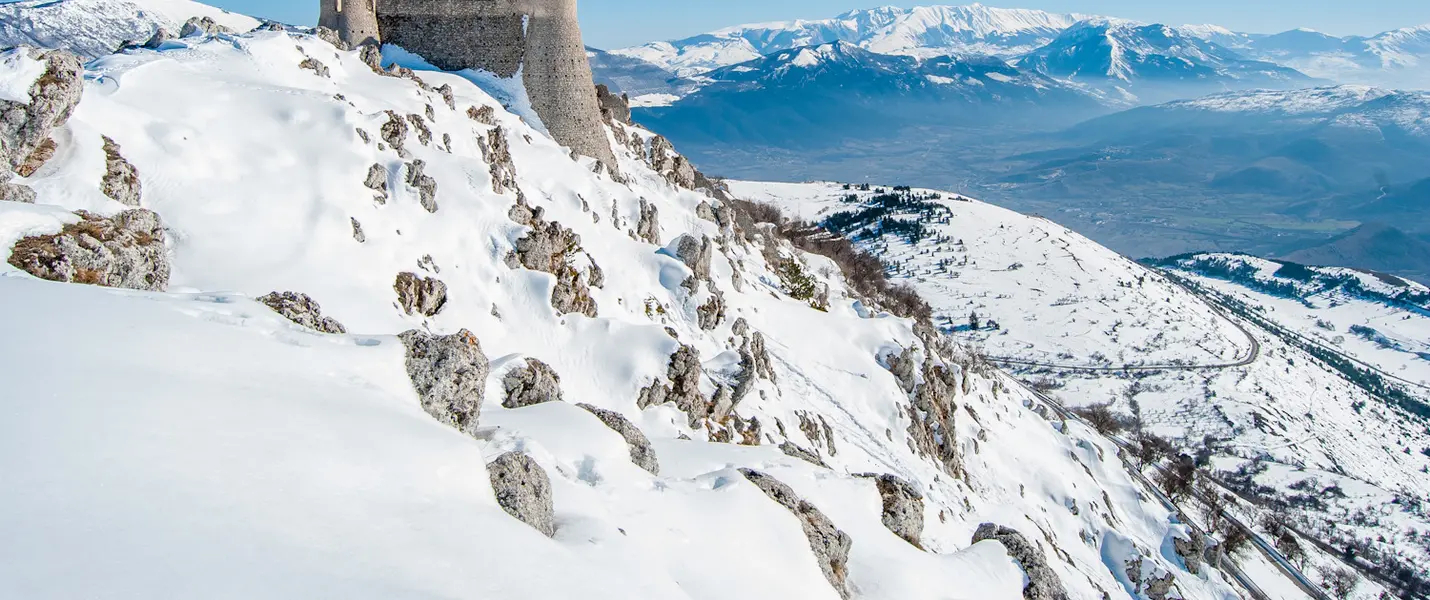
[
  {"x": 193, "y": 443},
  {"x": 95, "y": 28},
  {"x": 654, "y": 100},
  {"x": 18, "y": 72}
]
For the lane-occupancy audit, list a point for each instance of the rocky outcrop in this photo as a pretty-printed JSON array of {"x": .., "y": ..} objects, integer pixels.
[
  {"x": 641, "y": 453},
  {"x": 26, "y": 128},
  {"x": 530, "y": 384},
  {"x": 932, "y": 416},
  {"x": 794, "y": 450},
  {"x": 674, "y": 167},
  {"x": 124, "y": 251},
  {"x": 205, "y": 26},
  {"x": 648, "y": 227},
  {"x": 161, "y": 36},
  {"x": 696, "y": 254},
  {"x": 1043, "y": 583},
  {"x": 331, "y": 36},
  {"x": 377, "y": 182},
  {"x": 684, "y": 373},
  {"x": 497, "y": 153},
  {"x": 424, "y": 134},
  {"x": 524, "y": 491},
  {"x": 121, "y": 179},
  {"x": 301, "y": 309},
  {"x": 485, "y": 115},
  {"x": 830, "y": 545},
  {"x": 551, "y": 248},
  {"x": 316, "y": 66},
  {"x": 905, "y": 367},
  {"x": 903, "y": 508},
  {"x": 614, "y": 109},
  {"x": 358, "y": 232},
  {"x": 418, "y": 295},
  {"x": 15, "y": 192},
  {"x": 394, "y": 132},
  {"x": 1148, "y": 578},
  {"x": 754, "y": 359},
  {"x": 1191, "y": 548},
  {"x": 425, "y": 185},
  {"x": 712, "y": 313},
  {"x": 449, "y": 373}
]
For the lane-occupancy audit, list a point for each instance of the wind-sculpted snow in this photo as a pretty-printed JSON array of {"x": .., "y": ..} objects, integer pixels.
[{"x": 185, "y": 442}]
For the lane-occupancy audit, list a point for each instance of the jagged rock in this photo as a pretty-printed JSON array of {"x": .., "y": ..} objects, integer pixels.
[
  {"x": 1043, "y": 583},
  {"x": 535, "y": 383},
  {"x": 314, "y": 65},
  {"x": 550, "y": 248},
  {"x": 449, "y": 373},
  {"x": 330, "y": 36},
  {"x": 706, "y": 211},
  {"x": 684, "y": 373},
  {"x": 933, "y": 417},
  {"x": 445, "y": 90},
  {"x": 904, "y": 366},
  {"x": 641, "y": 453},
  {"x": 696, "y": 254},
  {"x": 394, "y": 132},
  {"x": 125, "y": 251},
  {"x": 1191, "y": 549},
  {"x": 25, "y": 128},
  {"x": 425, "y": 184},
  {"x": 497, "y": 153},
  {"x": 301, "y": 309},
  {"x": 271, "y": 26},
  {"x": 357, "y": 231},
  {"x": 121, "y": 179},
  {"x": 710, "y": 314},
  {"x": 794, "y": 450},
  {"x": 377, "y": 182},
  {"x": 524, "y": 491},
  {"x": 424, "y": 135},
  {"x": 613, "y": 108},
  {"x": 206, "y": 26},
  {"x": 420, "y": 295},
  {"x": 675, "y": 168},
  {"x": 485, "y": 115},
  {"x": 830, "y": 545},
  {"x": 161, "y": 36},
  {"x": 754, "y": 359},
  {"x": 371, "y": 55},
  {"x": 903, "y": 508},
  {"x": 648, "y": 227},
  {"x": 42, "y": 154},
  {"x": 15, "y": 192}
]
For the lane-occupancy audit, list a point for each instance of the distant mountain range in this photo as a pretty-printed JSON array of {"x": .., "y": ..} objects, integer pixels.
[{"x": 1373, "y": 246}]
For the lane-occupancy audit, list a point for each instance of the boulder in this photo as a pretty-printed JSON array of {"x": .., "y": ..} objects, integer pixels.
[
  {"x": 301, "y": 309},
  {"x": 641, "y": 453},
  {"x": 648, "y": 227},
  {"x": 205, "y": 26},
  {"x": 426, "y": 186},
  {"x": 418, "y": 295},
  {"x": 161, "y": 36},
  {"x": 903, "y": 508},
  {"x": 684, "y": 373},
  {"x": 121, "y": 179},
  {"x": 26, "y": 128},
  {"x": 496, "y": 151},
  {"x": 1043, "y": 583},
  {"x": 697, "y": 254},
  {"x": 394, "y": 132},
  {"x": 524, "y": 491},
  {"x": 449, "y": 373},
  {"x": 531, "y": 384},
  {"x": 357, "y": 231},
  {"x": 16, "y": 192},
  {"x": 377, "y": 182},
  {"x": 124, "y": 251},
  {"x": 830, "y": 545}
]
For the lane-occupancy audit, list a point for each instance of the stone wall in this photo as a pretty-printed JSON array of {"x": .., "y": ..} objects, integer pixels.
[
  {"x": 354, "y": 20},
  {"x": 539, "y": 38}
]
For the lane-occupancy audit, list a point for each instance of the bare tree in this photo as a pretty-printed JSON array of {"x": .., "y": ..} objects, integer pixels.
[{"x": 1340, "y": 582}]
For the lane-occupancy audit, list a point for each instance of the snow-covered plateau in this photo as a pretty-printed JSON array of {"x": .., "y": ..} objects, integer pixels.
[{"x": 531, "y": 375}]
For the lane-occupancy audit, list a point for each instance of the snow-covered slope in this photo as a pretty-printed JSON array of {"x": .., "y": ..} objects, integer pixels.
[
  {"x": 95, "y": 28},
  {"x": 192, "y": 443},
  {"x": 919, "y": 31},
  {"x": 1328, "y": 448}
]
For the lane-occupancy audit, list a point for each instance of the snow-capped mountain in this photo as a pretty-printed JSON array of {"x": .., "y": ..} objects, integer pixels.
[
  {"x": 920, "y": 31},
  {"x": 95, "y": 28}
]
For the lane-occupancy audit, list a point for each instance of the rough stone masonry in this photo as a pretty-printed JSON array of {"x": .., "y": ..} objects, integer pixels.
[{"x": 539, "y": 39}]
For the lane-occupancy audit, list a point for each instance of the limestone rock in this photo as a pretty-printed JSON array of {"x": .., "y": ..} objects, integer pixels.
[
  {"x": 445, "y": 90},
  {"x": 205, "y": 26},
  {"x": 551, "y": 248},
  {"x": 641, "y": 453},
  {"x": 485, "y": 115},
  {"x": 1191, "y": 548},
  {"x": 794, "y": 450},
  {"x": 314, "y": 65},
  {"x": 357, "y": 231},
  {"x": 425, "y": 184},
  {"x": 24, "y": 128},
  {"x": 675, "y": 168},
  {"x": 903, "y": 508},
  {"x": 1043, "y": 583},
  {"x": 42, "y": 154},
  {"x": 449, "y": 374},
  {"x": 696, "y": 254},
  {"x": 524, "y": 491},
  {"x": 830, "y": 545},
  {"x": 497, "y": 153},
  {"x": 684, "y": 373},
  {"x": 648, "y": 227},
  {"x": 933, "y": 414},
  {"x": 614, "y": 108},
  {"x": 161, "y": 36},
  {"x": 706, "y": 211},
  {"x": 417, "y": 295},
  {"x": 371, "y": 55},
  {"x": 15, "y": 192},
  {"x": 377, "y": 182},
  {"x": 905, "y": 367},
  {"x": 121, "y": 179},
  {"x": 301, "y": 309},
  {"x": 532, "y": 384},
  {"x": 394, "y": 132},
  {"x": 710, "y": 314},
  {"x": 125, "y": 251}
]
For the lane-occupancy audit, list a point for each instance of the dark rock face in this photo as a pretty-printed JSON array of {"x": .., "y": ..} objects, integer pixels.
[
  {"x": 25, "y": 128},
  {"x": 641, "y": 453},
  {"x": 903, "y": 508},
  {"x": 551, "y": 248},
  {"x": 301, "y": 309},
  {"x": 1043, "y": 583},
  {"x": 534, "y": 383},
  {"x": 830, "y": 545},
  {"x": 449, "y": 374},
  {"x": 417, "y": 295},
  {"x": 121, "y": 179},
  {"x": 523, "y": 490},
  {"x": 125, "y": 251}
]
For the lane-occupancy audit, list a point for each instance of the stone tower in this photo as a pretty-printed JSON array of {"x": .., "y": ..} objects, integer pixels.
[
  {"x": 354, "y": 20},
  {"x": 540, "y": 39}
]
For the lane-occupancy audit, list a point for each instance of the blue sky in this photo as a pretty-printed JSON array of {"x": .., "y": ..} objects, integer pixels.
[{"x": 615, "y": 23}]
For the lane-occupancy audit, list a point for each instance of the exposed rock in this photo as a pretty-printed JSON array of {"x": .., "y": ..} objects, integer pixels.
[
  {"x": 271, "y": 26},
  {"x": 206, "y": 26},
  {"x": 125, "y": 251},
  {"x": 24, "y": 128},
  {"x": 696, "y": 254},
  {"x": 830, "y": 545},
  {"x": 420, "y": 295},
  {"x": 424, "y": 135},
  {"x": 301, "y": 309},
  {"x": 809, "y": 456},
  {"x": 497, "y": 152},
  {"x": 357, "y": 231},
  {"x": 161, "y": 36},
  {"x": 641, "y": 452},
  {"x": 903, "y": 508},
  {"x": 535, "y": 383},
  {"x": 674, "y": 167},
  {"x": 121, "y": 179},
  {"x": 425, "y": 184},
  {"x": 449, "y": 373},
  {"x": 754, "y": 359},
  {"x": 648, "y": 227},
  {"x": 445, "y": 90},
  {"x": 15, "y": 192},
  {"x": 710, "y": 314},
  {"x": 42, "y": 154},
  {"x": 933, "y": 417},
  {"x": 371, "y": 55},
  {"x": 613, "y": 108},
  {"x": 905, "y": 367},
  {"x": 485, "y": 115},
  {"x": 377, "y": 182},
  {"x": 684, "y": 373},
  {"x": 1043, "y": 583},
  {"x": 524, "y": 491},
  {"x": 1191, "y": 550},
  {"x": 394, "y": 132},
  {"x": 551, "y": 248},
  {"x": 328, "y": 35},
  {"x": 706, "y": 211},
  {"x": 314, "y": 65}
]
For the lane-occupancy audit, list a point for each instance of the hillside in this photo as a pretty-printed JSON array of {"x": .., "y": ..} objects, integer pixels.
[
  {"x": 476, "y": 283},
  {"x": 95, "y": 28},
  {"x": 1373, "y": 246}
]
